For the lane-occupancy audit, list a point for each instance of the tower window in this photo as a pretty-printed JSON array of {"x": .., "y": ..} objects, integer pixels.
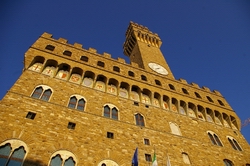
[
  {"x": 148, "y": 157},
  {"x": 84, "y": 58},
  {"x": 71, "y": 125},
  {"x": 130, "y": 73},
  {"x": 110, "y": 135},
  {"x": 136, "y": 103},
  {"x": 209, "y": 99},
  {"x": 67, "y": 53},
  {"x": 157, "y": 82},
  {"x": 221, "y": 103},
  {"x": 146, "y": 141},
  {"x": 197, "y": 95},
  {"x": 50, "y": 47},
  {"x": 100, "y": 63},
  {"x": 185, "y": 91},
  {"x": 31, "y": 115},
  {"x": 171, "y": 86},
  {"x": 117, "y": 69},
  {"x": 144, "y": 78}
]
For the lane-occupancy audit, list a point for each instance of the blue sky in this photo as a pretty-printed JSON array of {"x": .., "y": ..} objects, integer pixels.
[{"x": 205, "y": 42}]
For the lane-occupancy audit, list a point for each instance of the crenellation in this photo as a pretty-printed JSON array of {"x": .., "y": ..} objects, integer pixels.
[
  {"x": 195, "y": 85},
  {"x": 106, "y": 55},
  {"x": 183, "y": 81},
  {"x": 46, "y": 35},
  {"x": 92, "y": 50},
  {"x": 121, "y": 60},
  {"x": 77, "y": 45},
  {"x": 206, "y": 88},
  {"x": 217, "y": 93},
  {"x": 62, "y": 40}
]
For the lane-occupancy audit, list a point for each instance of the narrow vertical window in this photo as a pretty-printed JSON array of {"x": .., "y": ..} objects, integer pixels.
[
  {"x": 217, "y": 140},
  {"x": 72, "y": 102},
  {"x": 148, "y": 157},
  {"x": 56, "y": 161},
  {"x": 232, "y": 144},
  {"x": 4, "y": 154},
  {"x": 37, "y": 93},
  {"x": 69, "y": 162},
  {"x": 139, "y": 120},
  {"x": 81, "y": 104},
  {"x": 17, "y": 157},
  {"x": 114, "y": 113},
  {"x": 106, "y": 111},
  {"x": 46, "y": 95},
  {"x": 212, "y": 138}
]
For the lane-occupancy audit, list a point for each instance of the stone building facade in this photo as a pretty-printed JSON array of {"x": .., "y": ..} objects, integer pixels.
[{"x": 74, "y": 106}]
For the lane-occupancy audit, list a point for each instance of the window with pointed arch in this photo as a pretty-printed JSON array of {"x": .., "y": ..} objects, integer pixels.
[
  {"x": 12, "y": 153},
  {"x": 228, "y": 162},
  {"x": 42, "y": 92},
  {"x": 110, "y": 111},
  {"x": 63, "y": 158},
  {"x": 214, "y": 138},
  {"x": 139, "y": 119},
  {"x": 77, "y": 102},
  {"x": 234, "y": 143},
  {"x": 174, "y": 128}
]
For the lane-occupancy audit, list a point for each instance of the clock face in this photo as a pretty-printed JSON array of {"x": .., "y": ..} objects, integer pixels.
[{"x": 158, "y": 68}]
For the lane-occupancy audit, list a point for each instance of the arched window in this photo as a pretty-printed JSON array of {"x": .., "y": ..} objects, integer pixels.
[
  {"x": 174, "y": 128},
  {"x": 12, "y": 153},
  {"x": 42, "y": 92},
  {"x": 139, "y": 120},
  {"x": 227, "y": 162},
  {"x": 214, "y": 138},
  {"x": 77, "y": 102},
  {"x": 234, "y": 143},
  {"x": 110, "y": 111},
  {"x": 63, "y": 158}
]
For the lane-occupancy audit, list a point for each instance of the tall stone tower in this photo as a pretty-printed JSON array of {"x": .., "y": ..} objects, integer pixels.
[{"x": 73, "y": 107}]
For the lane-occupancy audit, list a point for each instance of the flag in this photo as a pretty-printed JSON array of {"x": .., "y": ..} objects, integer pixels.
[
  {"x": 154, "y": 161},
  {"x": 135, "y": 158},
  {"x": 168, "y": 162}
]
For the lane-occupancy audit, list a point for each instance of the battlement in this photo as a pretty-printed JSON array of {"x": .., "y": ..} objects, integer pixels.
[{"x": 77, "y": 49}]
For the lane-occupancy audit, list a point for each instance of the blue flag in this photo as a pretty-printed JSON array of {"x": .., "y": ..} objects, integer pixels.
[{"x": 135, "y": 158}]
